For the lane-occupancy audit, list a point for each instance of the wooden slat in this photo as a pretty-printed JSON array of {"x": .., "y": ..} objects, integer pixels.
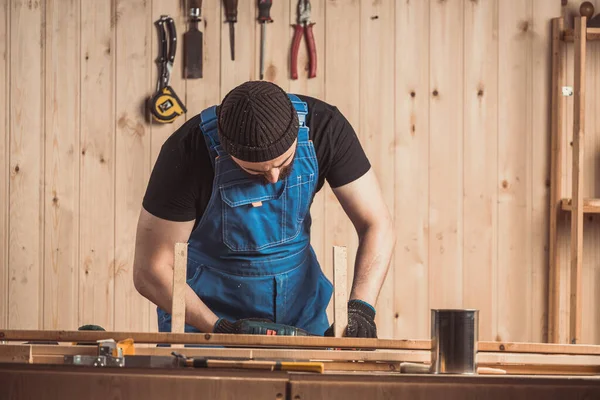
[
  {"x": 342, "y": 90},
  {"x": 4, "y": 157},
  {"x": 446, "y": 155},
  {"x": 577, "y": 195},
  {"x": 15, "y": 354},
  {"x": 244, "y": 67},
  {"x": 132, "y": 159},
  {"x": 513, "y": 279},
  {"x": 545, "y": 348},
  {"x": 97, "y": 210},
  {"x": 591, "y": 34},
  {"x": 314, "y": 87},
  {"x": 26, "y": 161},
  {"x": 216, "y": 339},
  {"x": 340, "y": 292},
  {"x": 523, "y": 369},
  {"x": 179, "y": 287},
  {"x": 411, "y": 215},
  {"x": 481, "y": 163},
  {"x": 542, "y": 91},
  {"x": 555, "y": 179},
  {"x": 537, "y": 359},
  {"x": 377, "y": 124},
  {"x": 61, "y": 197}
]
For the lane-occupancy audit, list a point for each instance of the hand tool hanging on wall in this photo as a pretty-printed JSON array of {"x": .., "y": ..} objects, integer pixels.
[
  {"x": 192, "y": 43},
  {"x": 231, "y": 17},
  {"x": 165, "y": 106},
  {"x": 264, "y": 16},
  {"x": 304, "y": 26}
]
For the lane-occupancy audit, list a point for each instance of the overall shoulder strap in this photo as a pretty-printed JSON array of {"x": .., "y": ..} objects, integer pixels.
[
  {"x": 302, "y": 110},
  {"x": 208, "y": 127}
]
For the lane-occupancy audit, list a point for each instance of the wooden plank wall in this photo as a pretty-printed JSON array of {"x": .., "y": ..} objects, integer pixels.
[{"x": 449, "y": 98}]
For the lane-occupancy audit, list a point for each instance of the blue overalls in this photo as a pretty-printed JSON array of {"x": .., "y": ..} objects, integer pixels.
[{"x": 250, "y": 255}]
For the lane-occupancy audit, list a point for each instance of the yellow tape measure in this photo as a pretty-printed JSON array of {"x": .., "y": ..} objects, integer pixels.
[{"x": 165, "y": 106}]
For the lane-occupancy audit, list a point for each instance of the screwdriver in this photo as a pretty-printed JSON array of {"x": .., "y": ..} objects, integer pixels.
[
  {"x": 231, "y": 17},
  {"x": 264, "y": 16}
]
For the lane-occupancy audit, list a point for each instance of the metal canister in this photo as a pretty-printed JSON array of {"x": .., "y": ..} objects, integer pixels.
[{"x": 454, "y": 337}]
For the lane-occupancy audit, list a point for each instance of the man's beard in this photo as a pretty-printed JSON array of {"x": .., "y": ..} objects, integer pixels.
[{"x": 285, "y": 172}]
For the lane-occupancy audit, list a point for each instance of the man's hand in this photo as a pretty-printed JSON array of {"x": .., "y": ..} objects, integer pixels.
[{"x": 361, "y": 321}]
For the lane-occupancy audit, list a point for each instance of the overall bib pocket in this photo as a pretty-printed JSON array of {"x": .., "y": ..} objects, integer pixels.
[{"x": 253, "y": 215}]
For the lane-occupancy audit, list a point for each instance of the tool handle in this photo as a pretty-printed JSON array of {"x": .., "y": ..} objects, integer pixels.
[
  {"x": 264, "y": 10},
  {"x": 231, "y": 11},
  {"x": 312, "y": 50},
  {"x": 162, "y": 37},
  {"x": 295, "y": 47},
  {"x": 172, "y": 39}
]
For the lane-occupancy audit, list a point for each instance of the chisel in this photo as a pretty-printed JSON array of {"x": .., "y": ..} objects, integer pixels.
[
  {"x": 192, "y": 41},
  {"x": 231, "y": 18},
  {"x": 264, "y": 16}
]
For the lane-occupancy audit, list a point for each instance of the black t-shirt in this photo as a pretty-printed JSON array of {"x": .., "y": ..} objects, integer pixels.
[{"x": 181, "y": 182}]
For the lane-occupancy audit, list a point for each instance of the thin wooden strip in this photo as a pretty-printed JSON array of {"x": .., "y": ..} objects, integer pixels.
[
  {"x": 4, "y": 157},
  {"x": 558, "y": 104},
  {"x": 577, "y": 187},
  {"x": 179, "y": 286},
  {"x": 15, "y": 354},
  {"x": 340, "y": 297},
  {"x": 543, "y": 348},
  {"x": 337, "y": 366},
  {"x": 537, "y": 359},
  {"x": 215, "y": 339},
  {"x": 547, "y": 369}
]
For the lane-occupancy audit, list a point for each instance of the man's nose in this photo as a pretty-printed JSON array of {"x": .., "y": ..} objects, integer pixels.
[{"x": 273, "y": 175}]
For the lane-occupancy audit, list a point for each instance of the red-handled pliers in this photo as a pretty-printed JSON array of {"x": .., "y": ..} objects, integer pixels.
[{"x": 305, "y": 25}]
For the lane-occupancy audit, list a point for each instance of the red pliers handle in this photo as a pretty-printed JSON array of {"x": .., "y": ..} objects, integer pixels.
[{"x": 304, "y": 26}]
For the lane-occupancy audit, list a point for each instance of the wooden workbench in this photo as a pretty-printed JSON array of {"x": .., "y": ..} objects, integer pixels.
[{"x": 20, "y": 381}]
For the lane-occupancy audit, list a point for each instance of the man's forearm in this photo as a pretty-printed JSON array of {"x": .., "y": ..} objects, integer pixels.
[
  {"x": 373, "y": 256},
  {"x": 157, "y": 287}
]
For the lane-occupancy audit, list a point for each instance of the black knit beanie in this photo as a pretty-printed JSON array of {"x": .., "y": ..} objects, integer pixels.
[{"x": 257, "y": 122}]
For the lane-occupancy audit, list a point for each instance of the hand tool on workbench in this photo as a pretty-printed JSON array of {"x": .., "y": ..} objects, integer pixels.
[
  {"x": 257, "y": 326},
  {"x": 165, "y": 106},
  {"x": 304, "y": 26},
  {"x": 231, "y": 17},
  {"x": 264, "y": 16},
  {"x": 192, "y": 43},
  {"x": 303, "y": 366}
]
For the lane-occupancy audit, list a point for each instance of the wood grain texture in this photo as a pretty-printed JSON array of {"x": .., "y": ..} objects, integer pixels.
[
  {"x": 277, "y": 44},
  {"x": 61, "y": 194},
  {"x": 543, "y": 12},
  {"x": 26, "y": 164},
  {"x": 377, "y": 130},
  {"x": 446, "y": 54},
  {"x": 4, "y": 157},
  {"x": 179, "y": 287},
  {"x": 340, "y": 290},
  {"x": 411, "y": 199},
  {"x": 97, "y": 177},
  {"x": 132, "y": 158},
  {"x": 342, "y": 89},
  {"x": 514, "y": 149},
  {"x": 481, "y": 163}
]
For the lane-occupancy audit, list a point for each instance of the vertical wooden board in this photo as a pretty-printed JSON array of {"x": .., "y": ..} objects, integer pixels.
[
  {"x": 342, "y": 90},
  {"x": 481, "y": 163},
  {"x": 175, "y": 9},
  {"x": 132, "y": 30},
  {"x": 543, "y": 12},
  {"x": 204, "y": 92},
  {"x": 514, "y": 147},
  {"x": 277, "y": 45},
  {"x": 377, "y": 122},
  {"x": 97, "y": 184},
  {"x": 411, "y": 215},
  {"x": 4, "y": 157},
  {"x": 61, "y": 197},
  {"x": 26, "y": 161},
  {"x": 314, "y": 87},
  {"x": 446, "y": 154},
  {"x": 242, "y": 69}
]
